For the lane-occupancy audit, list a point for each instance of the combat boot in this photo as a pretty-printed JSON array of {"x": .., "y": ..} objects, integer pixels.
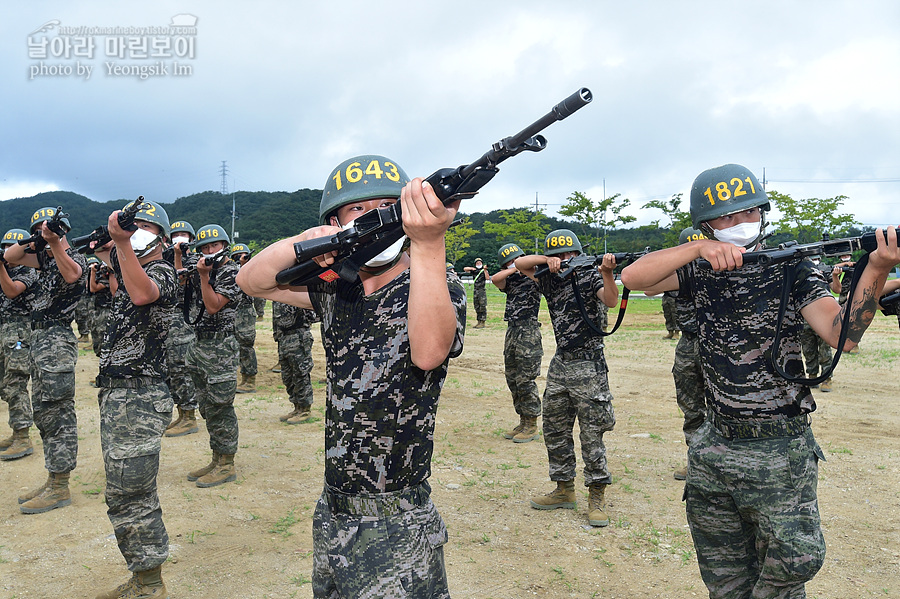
[
  {"x": 5, "y": 443},
  {"x": 248, "y": 384},
  {"x": 55, "y": 495},
  {"x": 676, "y": 334},
  {"x": 299, "y": 416},
  {"x": 680, "y": 473},
  {"x": 187, "y": 424},
  {"x": 671, "y": 335},
  {"x": 825, "y": 387},
  {"x": 276, "y": 368},
  {"x": 562, "y": 497},
  {"x": 84, "y": 338},
  {"x": 195, "y": 474},
  {"x": 32, "y": 494},
  {"x": 142, "y": 585},
  {"x": 515, "y": 431},
  {"x": 529, "y": 431},
  {"x": 175, "y": 422},
  {"x": 224, "y": 472},
  {"x": 20, "y": 447},
  {"x": 596, "y": 515},
  {"x": 479, "y": 325}
]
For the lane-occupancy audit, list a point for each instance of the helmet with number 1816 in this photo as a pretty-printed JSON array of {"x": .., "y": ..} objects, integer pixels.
[
  {"x": 561, "y": 241},
  {"x": 725, "y": 190},
  {"x": 210, "y": 234},
  {"x": 360, "y": 178}
]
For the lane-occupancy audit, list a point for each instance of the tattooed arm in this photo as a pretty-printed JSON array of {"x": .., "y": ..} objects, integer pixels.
[{"x": 825, "y": 315}]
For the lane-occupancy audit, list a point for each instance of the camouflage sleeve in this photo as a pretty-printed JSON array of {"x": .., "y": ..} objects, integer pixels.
[
  {"x": 685, "y": 281},
  {"x": 226, "y": 282},
  {"x": 27, "y": 276},
  {"x": 163, "y": 274},
  {"x": 809, "y": 284},
  {"x": 458, "y": 299}
]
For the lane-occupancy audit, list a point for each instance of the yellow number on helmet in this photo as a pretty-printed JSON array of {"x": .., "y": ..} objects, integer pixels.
[
  {"x": 392, "y": 173},
  {"x": 354, "y": 173},
  {"x": 374, "y": 169}
]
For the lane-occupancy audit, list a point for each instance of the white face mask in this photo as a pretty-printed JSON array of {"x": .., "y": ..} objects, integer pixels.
[
  {"x": 181, "y": 239},
  {"x": 741, "y": 235},
  {"x": 385, "y": 257},
  {"x": 143, "y": 242}
]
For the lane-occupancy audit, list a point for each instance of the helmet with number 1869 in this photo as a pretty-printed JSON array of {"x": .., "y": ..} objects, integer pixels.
[
  {"x": 561, "y": 241},
  {"x": 360, "y": 178}
]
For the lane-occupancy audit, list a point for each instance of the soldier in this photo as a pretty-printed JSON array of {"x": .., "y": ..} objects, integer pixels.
[
  {"x": 522, "y": 348},
  {"x": 816, "y": 352},
  {"x": 841, "y": 274},
  {"x": 17, "y": 284},
  {"x": 750, "y": 493},
  {"x": 213, "y": 359},
  {"x": 259, "y": 304},
  {"x": 100, "y": 300},
  {"x": 181, "y": 337},
  {"x": 83, "y": 318},
  {"x": 291, "y": 329},
  {"x": 135, "y": 403},
  {"x": 577, "y": 383},
  {"x": 245, "y": 327},
  {"x": 54, "y": 350},
  {"x": 388, "y": 338},
  {"x": 480, "y": 293},
  {"x": 687, "y": 370},
  {"x": 668, "y": 308}
]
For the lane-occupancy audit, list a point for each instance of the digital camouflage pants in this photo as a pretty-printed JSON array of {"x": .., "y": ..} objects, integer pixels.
[
  {"x": 99, "y": 323},
  {"x": 690, "y": 392},
  {"x": 132, "y": 422},
  {"x": 15, "y": 358},
  {"x": 668, "y": 309},
  {"x": 816, "y": 352},
  {"x": 480, "y": 296},
  {"x": 245, "y": 333},
  {"x": 378, "y": 546},
  {"x": 295, "y": 357},
  {"x": 178, "y": 342},
  {"x": 577, "y": 388},
  {"x": 522, "y": 354},
  {"x": 753, "y": 514},
  {"x": 212, "y": 362},
  {"x": 54, "y": 352}
]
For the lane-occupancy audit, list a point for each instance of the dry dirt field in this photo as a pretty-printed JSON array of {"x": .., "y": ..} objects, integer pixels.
[{"x": 252, "y": 537}]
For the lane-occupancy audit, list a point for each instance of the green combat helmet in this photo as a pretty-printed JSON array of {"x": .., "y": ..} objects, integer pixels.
[
  {"x": 508, "y": 253},
  {"x": 725, "y": 190},
  {"x": 690, "y": 234},
  {"x": 151, "y": 212},
  {"x": 45, "y": 214},
  {"x": 210, "y": 234},
  {"x": 239, "y": 248},
  {"x": 361, "y": 178},
  {"x": 14, "y": 236},
  {"x": 182, "y": 226},
  {"x": 561, "y": 241}
]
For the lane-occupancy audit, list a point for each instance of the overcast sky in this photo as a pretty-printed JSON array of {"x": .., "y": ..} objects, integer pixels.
[{"x": 804, "y": 93}]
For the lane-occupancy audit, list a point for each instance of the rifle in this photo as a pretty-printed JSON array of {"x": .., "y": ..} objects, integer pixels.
[
  {"x": 891, "y": 299},
  {"x": 378, "y": 229},
  {"x": 568, "y": 266},
  {"x": 101, "y": 236},
  {"x": 213, "y": 260},
  {"x": 55, "y": 224}
]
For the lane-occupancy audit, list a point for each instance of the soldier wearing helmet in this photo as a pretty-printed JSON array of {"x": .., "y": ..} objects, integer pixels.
[
  {"x": 132, "y": 389},
  {"x": 62, "y": 274},
  {"x": 755, "y": 418},
  {"x": 480, "y": 276},
  {"x": 212, "y": 294},
  {"x": 17, "y": 283},
  {"x": 99, "y": 300},
  {"x": 388, "y": 339},
  {"x": 577, "y": 383},
  {"x": 245, "y": 327},
  {"x": 522, "y": 346}
]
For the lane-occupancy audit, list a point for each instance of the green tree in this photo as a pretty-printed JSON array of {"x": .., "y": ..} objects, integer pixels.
[
  {"x": 457, "y": 239},
  {"x": 678, "y": 218},
  {"x": 521, "y": 226},
  {"x": 806, "y": 220},
  {"x": 596, "y": 218}
]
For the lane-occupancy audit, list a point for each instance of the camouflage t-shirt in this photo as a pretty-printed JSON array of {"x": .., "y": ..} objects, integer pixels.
[
  {"x": 19, "y": 306},
  {"x": 54, "y": 298},
  {"x": 523, "y": 300},
  {"x": 102, "y": 298},
  {"x": 685, "y": 313},
  {"x": 286, "y": 318},
  {"x": 135, "y": 340},
  {"x": 187, "y": 260},
  {"x": 380, "y": 411},
  {"x": 572, "y": 333},
  {"x": 222, "y": 280},
  {"x": 736, "y": 317}
]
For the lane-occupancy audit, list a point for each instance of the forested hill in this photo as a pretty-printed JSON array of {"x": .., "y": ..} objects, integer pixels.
[{"x": 264, "y": 217}]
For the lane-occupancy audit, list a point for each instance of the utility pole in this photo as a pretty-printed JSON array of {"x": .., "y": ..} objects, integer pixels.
[
  {"x": 537, "y": 248},
  {"x": 224, "y": 171}
]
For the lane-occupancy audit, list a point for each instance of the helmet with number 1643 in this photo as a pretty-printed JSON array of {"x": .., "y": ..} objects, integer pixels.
[
  {"x": 210, "y": 234},
  {"x": 725, "y": 190},
  {"x": 361, "y": 178},
  {"x": 561, "y": 241}
]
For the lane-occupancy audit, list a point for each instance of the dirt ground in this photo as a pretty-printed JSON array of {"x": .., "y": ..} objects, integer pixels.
[{"x": 252, "y": 538}]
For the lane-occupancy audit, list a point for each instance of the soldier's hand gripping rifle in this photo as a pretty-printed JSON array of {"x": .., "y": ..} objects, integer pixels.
[
  {"x": 55, "y": 224},
  {"x": 789, "y": 252},
  {"x": 378, "y": 229},
  {"x": 87, "y": 244}
]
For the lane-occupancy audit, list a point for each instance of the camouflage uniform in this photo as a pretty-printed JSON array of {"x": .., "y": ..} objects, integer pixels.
[
  {"x": 54, "y": 351},
  {"x": 100, "y": 309},
  {"x": 669, "y": 309},
  {"x": 245, "y": 333},
  {"x": 577, "y": 383},
  {"x": 83, "y": 315},
  {"x": 212, "y": 361},
  {"x": 376, "y": 532},
  {"x": 259, "y": 304},
  {"x": 752, "y": 468},
  {"x": 690, "y": 393},
  {"x": 480, "y": 295},
  {"x": 135, "y": 407},
  {"x": 291, "y": 329},
  {"x": 15, "y": 347},
  {"x": 816, "y": 351},
  {"x": 178, "y": 342},
  {"x": 522, "y": 347}
]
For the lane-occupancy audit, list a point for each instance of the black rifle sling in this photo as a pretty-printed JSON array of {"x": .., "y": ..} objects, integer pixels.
[
  {"x": 845, "y": 325},
  {"x": 189, "y": 299},
  {"x": 584, "y": 315}
]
